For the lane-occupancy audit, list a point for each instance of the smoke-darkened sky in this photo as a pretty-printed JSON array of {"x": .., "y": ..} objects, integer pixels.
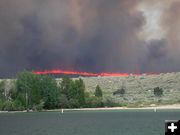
[{"x": 89, "y": 35}]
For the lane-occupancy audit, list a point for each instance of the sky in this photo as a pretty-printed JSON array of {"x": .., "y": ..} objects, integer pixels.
[{"x": 132, "y": 36}]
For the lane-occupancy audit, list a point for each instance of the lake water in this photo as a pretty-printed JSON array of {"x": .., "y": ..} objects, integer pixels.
[{"x": 86, "y": 123}]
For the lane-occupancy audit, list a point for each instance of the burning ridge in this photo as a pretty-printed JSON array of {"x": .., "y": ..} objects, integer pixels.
[{"x": 67, "y": 72}]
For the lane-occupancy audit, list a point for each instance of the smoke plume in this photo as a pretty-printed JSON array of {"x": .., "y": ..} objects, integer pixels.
[{"x": 131, "y": 36}]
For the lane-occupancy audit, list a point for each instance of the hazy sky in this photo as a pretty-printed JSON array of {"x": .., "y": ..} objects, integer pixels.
[{"x": 89, "y": 35}]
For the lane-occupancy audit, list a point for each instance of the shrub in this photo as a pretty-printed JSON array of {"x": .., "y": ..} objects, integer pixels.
[
  {"x": 38, "y": 107},
  {"x": 8, "y": 106},
  {"x": 158, "y": 91},
  {"x": 120, "y": 92},
  {"x": 110, "y": 103},
  {"x": 94, "y": 102},
  {"x": 18, "y": 106}
]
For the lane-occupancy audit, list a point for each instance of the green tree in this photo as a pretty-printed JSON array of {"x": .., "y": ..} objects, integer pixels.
[
  {"x": 50, "y": 92},
  {"x": 32, "y": 89},
  {"x": 2, "y": 91},
  {"x": 73, "y": 91},
  {"x": 98, "y": 91},
  {"x": 1, "y": 105},
  {"x": 27, "y": 91},
  {"x": 158, "y": 91},
  {"x": 80, "y": 92},
  {"x": 2, "y": 94},
  {"x": 63, "y": 101},
  {"x": 66, "y": 87}
]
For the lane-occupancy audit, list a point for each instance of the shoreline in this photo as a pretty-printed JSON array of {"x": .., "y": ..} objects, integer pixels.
[{"x": 160, "y": 107}]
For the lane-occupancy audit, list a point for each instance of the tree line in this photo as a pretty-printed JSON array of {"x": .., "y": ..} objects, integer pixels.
[{"x": 37, "y": 92}]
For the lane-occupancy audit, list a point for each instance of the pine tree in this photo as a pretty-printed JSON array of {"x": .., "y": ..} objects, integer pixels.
[{"x": 98, "y": 91}]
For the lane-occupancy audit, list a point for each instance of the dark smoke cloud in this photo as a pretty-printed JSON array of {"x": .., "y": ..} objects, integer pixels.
[{"x": 85, "y": 35}]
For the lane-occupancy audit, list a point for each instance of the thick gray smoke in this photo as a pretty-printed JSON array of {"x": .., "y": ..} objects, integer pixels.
[{"x": 88, "y": 35}]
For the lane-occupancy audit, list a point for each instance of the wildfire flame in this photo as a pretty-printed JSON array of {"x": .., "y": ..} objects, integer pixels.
[{"x": 66, "y": 72}]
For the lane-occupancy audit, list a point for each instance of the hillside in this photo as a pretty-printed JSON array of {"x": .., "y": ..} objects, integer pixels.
[{"x": 139, "y": 89}]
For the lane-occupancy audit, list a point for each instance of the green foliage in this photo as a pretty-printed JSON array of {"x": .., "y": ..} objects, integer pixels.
[
  {"x": 18, "y": 106},
  {"x": 80, "y": 92},
  {"x": 2, "y": 90},
  {"x": 120, "y": 92},
  {"x": 21, "y": 98},
  {"x": 73, "y": 91},
  {"x": 31, "y": 89},
  {"x": 74, "y": 103},
  {"x": 39, "y": 92},
  {"x": 27, "y": 84},
  {"x": 49, "y": 91},
  {"x": 38, "y": 107},
  {"x": 110, "y": 103},
  {"x": 63, "y": 101},
  {"x": 158, "y": 91},
  {"x": 98, "y": 91},
  {"x": 1, "y": 105},
  {"x": 94, "y": 102},
  {"x": 66, "y": 87},
  {"x": 8, "y": 106}
]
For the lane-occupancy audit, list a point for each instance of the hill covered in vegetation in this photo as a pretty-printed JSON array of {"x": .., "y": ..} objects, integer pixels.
[
  {"x": 36, "y": 92},
  {"x": 138, "y": 89}
]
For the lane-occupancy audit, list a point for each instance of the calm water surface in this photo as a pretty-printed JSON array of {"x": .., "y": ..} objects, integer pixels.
[{"x": 86, "y": 123}]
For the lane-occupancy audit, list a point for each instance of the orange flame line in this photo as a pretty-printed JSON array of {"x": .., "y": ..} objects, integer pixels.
[{"x": 66, "y": 72}]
